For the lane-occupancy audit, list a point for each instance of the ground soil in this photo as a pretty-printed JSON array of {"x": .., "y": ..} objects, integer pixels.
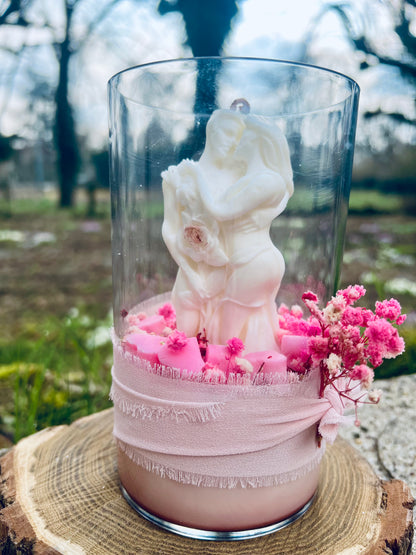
[
  {"x": 73, "y": 268},
  {"x": 52, "y": 277}
]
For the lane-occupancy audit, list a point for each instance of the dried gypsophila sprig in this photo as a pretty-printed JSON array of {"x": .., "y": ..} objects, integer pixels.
[{"x": 345, "y": 342}]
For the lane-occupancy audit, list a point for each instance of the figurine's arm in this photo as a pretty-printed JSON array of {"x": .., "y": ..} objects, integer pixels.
[
  {"x": 246, "y": 194},
  {"x": 171, "y": 228}
]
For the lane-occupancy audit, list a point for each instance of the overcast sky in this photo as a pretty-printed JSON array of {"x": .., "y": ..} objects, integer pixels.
[{"x": 135, "y": 34}]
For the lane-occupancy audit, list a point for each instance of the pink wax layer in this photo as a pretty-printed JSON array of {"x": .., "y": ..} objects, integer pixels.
[{"x": 218, "y": 509}]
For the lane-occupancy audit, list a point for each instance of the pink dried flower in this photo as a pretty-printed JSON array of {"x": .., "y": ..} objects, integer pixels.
[
  {"x": 168, "y": 313},
  {"x": 334, "y": 310},
  {"x": 135, "y": 319},
  {"x": 375, "y": 396},
  {"x": 374, "y": 353},
  {"x": 293, "y": 322},
  {"x": 283, "y": 309},
  {"x": 299, "y": 362},
  {"x": 296, "y": 311},
  {"x": 318, "y": 348},
  {"x": 352, "y": 316},
  {"x": 363, "y": 374},
  {"x": 401, "y": 319},
  {"x": 177, "y": 340},
  {"x": 368, "y": 380},
  {"x": 379, "y": 331},
  {"x": 391, "y": 310},
  {"x": 333, "y": 363},
  {"x": 352, "y": 293},
  {"x": 235, "y": 346},
  {"x": 384, "y": 341},
  {"x": 368, "y": 316},
  {"x": 346, "y": 343},
  {"x": 395, "y": 346},
  {"x": 314, "y": 328},
  {"x": 309, "y": 296}
]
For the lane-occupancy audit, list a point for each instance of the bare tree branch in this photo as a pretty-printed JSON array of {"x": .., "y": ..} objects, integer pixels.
[
  {"x": 403, "y": 30},
  {"x": 15, "y": 7},
  {"x": 362, "y": 44},
  {"x": 97, "y": 20},
  {"x": 406, "y": 63},
  {"x": 396, "y": 116}
]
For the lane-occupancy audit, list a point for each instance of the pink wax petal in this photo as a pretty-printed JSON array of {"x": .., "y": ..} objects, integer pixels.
[
  {"x": 293, "y": 344},
  {"x": 270, "y": 362},
  {"x": 188, "y": 358},
  {"x": 144, "y": 345},
  {"x": 219, "y": 356},
  {"x": 153, "y": 324}
]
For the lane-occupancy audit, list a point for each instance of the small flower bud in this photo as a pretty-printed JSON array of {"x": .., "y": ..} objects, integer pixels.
[{"x": 374, "y": 396}]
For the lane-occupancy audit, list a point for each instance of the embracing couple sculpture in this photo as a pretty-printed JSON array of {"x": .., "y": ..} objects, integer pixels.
[{"x": 217, "y": 217}]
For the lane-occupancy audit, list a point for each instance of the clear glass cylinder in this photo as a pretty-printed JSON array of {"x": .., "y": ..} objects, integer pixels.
[{"x": 250, "y": 215}]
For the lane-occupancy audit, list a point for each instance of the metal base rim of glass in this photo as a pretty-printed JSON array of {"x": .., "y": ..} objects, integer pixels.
[{"x": 213, "y": 535}]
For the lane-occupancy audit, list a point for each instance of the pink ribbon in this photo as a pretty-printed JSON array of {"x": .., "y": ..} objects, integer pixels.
[{"x": 220, "y": 435}]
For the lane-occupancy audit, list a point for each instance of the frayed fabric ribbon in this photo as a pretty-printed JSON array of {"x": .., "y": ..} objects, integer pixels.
[{"x": 219, "y": 435}]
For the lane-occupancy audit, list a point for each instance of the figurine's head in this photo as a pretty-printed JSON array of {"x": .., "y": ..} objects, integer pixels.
[{"x": 224, "y": 131}]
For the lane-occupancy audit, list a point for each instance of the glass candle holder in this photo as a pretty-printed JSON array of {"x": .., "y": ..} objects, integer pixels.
[{"x": 230, "y": 181}]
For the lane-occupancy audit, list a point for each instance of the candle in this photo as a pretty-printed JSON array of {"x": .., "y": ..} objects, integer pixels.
[
  {"x": 217, "y": 216},
  {"x": 218, "y": 213},
  {"x": 223, "y": 404},
  {"x": 220, "y": 411}
]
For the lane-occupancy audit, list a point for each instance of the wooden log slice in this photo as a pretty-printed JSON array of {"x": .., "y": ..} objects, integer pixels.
[{"x": 60, "y": 493}]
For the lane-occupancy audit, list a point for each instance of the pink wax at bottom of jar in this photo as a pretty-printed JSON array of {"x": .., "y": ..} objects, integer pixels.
[{"x": 218, "y": 509}]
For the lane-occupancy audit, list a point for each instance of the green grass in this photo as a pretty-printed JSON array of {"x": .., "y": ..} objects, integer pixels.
[
  {"x": 48, "y": 206},
  {"x": 54, "y": 373},
  {"x": 364, "y": 200},
  {"x": 55, "y": 370}
]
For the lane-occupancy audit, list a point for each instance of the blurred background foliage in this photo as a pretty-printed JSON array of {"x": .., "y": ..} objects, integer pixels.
[{"x": 56, "y": 57}]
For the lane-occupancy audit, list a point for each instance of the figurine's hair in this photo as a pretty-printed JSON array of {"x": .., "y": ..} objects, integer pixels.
[{"x": 274, "y": 149}]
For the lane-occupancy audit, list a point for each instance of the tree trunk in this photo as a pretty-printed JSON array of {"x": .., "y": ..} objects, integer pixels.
[{"x": 65, "y": 137}]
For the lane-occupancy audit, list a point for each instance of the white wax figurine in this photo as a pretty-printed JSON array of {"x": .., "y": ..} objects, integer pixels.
[{"x": 218, "y": 213}]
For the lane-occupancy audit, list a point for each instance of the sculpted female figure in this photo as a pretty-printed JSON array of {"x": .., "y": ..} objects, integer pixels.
[
  {"x": 218, "y": 213},
  {"x": 192, "y": 236}
]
